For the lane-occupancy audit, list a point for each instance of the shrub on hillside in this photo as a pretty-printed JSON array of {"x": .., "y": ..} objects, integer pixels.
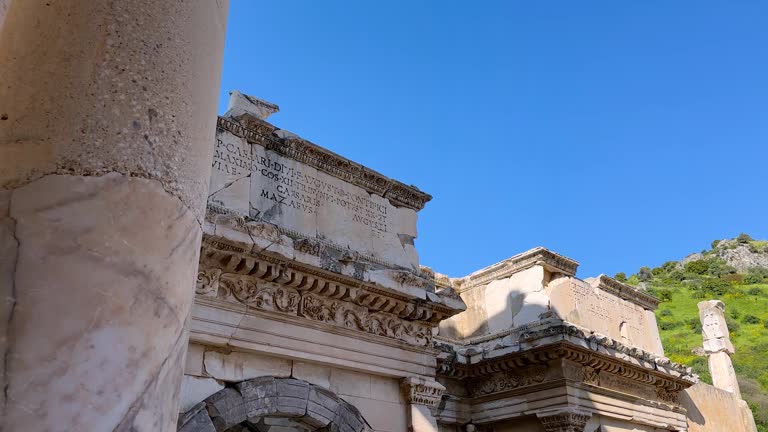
[
  {"x": 664, "y": 295},
  {"x": 645, "y": 274},
  {"x": 697, "y": 267},
  {"x": 694, "y": 324},
  {"x": 665, "y": 313},
  {"x": 715, "y": 243},
  {"x": 620, "y": 276},
  {"x": 718, "y": 268},
  {"x": 755, "y": 291},
  {"x": 734, "y": 278},
  {"x": 750, "y": 319},
  {"x": 715, "y": 287},
  {"x": 669, "y": 266},
  {"x": 670, "y": 325},
  {"x": 699, "y": 294},
  {"x": 676, "y": 275},
  {"x": 733, "y": 325},
  {"x": 744, "y": 238},
  {"x": 761, "y": 271},
  {"x": 657, "y": 271},
  {"x": 753, "y": 278},
  {"x": 735, "y": 313}
]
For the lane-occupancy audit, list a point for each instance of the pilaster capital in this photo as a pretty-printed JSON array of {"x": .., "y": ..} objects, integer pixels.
[
  {"x": 422, "y": 391},
  {"x": 566, "y": 420}
]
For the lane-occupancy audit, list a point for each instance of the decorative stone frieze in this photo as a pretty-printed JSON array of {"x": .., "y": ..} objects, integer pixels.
[
  {"x": 261, "y": 133},
  {"x": 507, "y": 380},
  {"x": 421, "y": 391},
  {"x": 278, "y": 291},
  {"x": 564, "y": 421},
  {"x": 538, "y": 256}
]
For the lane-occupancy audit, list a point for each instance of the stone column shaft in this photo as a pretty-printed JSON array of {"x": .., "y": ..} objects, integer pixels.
[
  {"x": 718, "y": 346},
  {"x": 107, "y": 120}
]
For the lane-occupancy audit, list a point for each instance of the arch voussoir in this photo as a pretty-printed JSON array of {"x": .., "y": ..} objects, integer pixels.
[{"x": 269, "y": 397}]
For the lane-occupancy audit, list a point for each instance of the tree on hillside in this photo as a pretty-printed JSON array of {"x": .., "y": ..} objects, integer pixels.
[
  {"x": 744, "y": 238},
  {"x": 698, "y": 267},
  {"x": 620, "y": 276},
  {"x": 645, "y": 274}
]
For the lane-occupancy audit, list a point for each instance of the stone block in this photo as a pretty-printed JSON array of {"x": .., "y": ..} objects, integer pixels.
[
  {"x": 292, "y": 397},
  {"x": 312, "y": 373},
  {"x": 348, "y": 419},
  {"x": 322, "y": 406},
  {"x": 226, "y": 408},
  {"x": 346, "y": 382},
  {"x": 196, "y": 389},
  {"x": 386, "y": 389},
  {"x": 194, "y": 361},
  {"x": 240, "y": 366},
  {"x": 199, "y": 422}
]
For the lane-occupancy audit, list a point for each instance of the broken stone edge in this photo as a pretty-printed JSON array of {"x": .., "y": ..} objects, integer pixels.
[{"x": 262, "y": 133}]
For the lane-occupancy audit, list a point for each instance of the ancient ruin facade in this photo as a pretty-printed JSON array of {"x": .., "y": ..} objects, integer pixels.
[
  {"x": 312, "y": 312},
  {"x": 160, "y": 276}
]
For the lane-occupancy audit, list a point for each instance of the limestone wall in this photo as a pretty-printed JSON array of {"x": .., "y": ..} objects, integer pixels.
[
  {"x": 589, "y": 306},
  {"x": 501, "y": 304},
  {"x": 711, "y": 409},
  {"x": 529, "y": 294},
  {"x": 378, "y": 398}
]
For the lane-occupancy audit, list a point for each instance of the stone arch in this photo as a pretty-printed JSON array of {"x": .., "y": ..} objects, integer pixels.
[{"x": 287, "y": 403}]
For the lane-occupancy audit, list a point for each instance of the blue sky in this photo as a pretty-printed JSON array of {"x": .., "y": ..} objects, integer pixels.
[{"x": 619, "y": 134}]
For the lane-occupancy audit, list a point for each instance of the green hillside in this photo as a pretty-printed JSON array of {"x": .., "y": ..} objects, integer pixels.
[{"x": 735, "y": 272}]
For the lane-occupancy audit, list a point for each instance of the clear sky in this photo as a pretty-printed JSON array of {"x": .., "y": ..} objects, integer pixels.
[{"x": 619, "y": 134}]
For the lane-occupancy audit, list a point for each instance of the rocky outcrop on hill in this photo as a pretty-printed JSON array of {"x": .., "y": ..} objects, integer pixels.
[{"x": 741, "y": 256}]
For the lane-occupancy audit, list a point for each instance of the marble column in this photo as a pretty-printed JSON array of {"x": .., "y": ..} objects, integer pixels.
[
  {"x": 718, "y": 346},
  {"x": 107, "y": 121},
  {"x": 423, "y": 396}
]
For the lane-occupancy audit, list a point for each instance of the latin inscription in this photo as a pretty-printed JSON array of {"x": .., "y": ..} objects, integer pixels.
[
  {"x": 608, "y": 308},
  {"x": 293, "y": 188}
]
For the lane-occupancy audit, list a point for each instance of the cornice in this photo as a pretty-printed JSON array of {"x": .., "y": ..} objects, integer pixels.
[
  {"x": 529, "y": 368},
  {"x": 218, "y": 253},
  {"x": 475, "y": 360},
  {"x": 273, "y": 283},
  {"x": 627, "y": 292},
  {"x": 537, "y": 256},
  {"x": 259, "y": 132}
]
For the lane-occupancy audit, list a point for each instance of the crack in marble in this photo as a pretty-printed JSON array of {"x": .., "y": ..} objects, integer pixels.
[
  {"x": 135, "y": 406},
  {"x": 13, "y": 302}
]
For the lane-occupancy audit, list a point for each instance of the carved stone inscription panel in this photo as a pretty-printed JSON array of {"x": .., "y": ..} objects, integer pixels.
[
  {"x": 267, "y": 186},
  {"x": 605, "y": 313}
]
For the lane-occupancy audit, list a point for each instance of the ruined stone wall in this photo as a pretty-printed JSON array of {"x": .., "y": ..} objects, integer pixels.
[
  {"x": 379, "y": 398},
  {"x": 711, "y": 409}
]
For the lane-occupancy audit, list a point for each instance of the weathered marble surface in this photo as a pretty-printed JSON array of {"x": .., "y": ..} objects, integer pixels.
[
  {"x": 714, "y": 329},
  {"x": 260, "y": 183},
  {"x": 511, "y": 297},
  {"x": 711, "y": 409},
  {"x": 99, "y": 293}
]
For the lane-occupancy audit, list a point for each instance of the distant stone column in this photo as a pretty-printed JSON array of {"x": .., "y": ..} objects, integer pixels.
[
  {"x": 422, "y": 395},
  {"x": 718, "y": 346},
  {"x": 107, "y": 117}
]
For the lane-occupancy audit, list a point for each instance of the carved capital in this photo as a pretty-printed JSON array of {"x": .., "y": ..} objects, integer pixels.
[
  {"x": 420, "y": 391},
  {"x": 564, "y": 421}
]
